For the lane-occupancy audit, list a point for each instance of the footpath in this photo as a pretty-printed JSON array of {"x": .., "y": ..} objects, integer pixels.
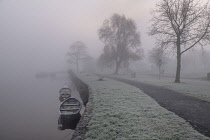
[
  {"x": 193, "y": 110},
  {"x": 123, "y": 112}
]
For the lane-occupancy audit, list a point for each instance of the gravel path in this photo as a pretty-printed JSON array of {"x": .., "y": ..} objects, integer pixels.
[{"x": 193, "y": 110}]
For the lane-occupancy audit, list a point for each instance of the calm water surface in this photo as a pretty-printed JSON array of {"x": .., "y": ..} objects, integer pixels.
[{"x": 29, "y": 108}]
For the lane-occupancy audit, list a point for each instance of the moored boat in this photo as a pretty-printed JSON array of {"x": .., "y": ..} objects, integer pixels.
[
  {"x": 65, "y": 93},
  {"x": 69, "y": 114}
]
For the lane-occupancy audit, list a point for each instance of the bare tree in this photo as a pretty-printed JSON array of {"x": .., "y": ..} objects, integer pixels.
[
  {"x": 181, "y": 25},
  {"x": 122, "y": 41},
  {"x": 158, "y": 57},
  {"x": 105, "y": 60},
  {"x": 77, "y": 53}
]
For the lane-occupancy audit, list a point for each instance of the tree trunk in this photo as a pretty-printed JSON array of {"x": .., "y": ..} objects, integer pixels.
[
  {"x": 159, "y": 72},
  {"x": 178, "y": 66},
  {"x": 77, "y": 67},
  {"x": 117, "y": 67}
]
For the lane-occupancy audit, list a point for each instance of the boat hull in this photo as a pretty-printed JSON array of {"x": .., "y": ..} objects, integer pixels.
[
  {"x": 68, "y": 121},
  {"x": 69, "y": 114}
]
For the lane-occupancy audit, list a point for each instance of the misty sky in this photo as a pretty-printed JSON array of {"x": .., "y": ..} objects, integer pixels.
[{"x": 36, "y": 34}]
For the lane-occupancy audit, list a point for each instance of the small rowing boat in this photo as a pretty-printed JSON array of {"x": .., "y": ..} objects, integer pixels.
[
  {"x": 65, "y": 93},
  {"x": 69, "y": 114}
]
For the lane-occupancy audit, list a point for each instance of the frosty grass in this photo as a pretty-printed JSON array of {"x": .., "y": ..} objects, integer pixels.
[
  {"x": 123, "y": 112},
  {"x": 192, "y": 87}
]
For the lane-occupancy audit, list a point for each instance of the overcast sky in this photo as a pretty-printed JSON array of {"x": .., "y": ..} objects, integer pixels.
[{"x": 36, "y": 34}]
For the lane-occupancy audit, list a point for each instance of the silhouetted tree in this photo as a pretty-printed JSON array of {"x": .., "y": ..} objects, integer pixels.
[
  {"x": 158, "y": 57},
  {"x": 77, "y": 53},
  {"x": 106, "y": 59},
  {"x": 181, "y": 25},
  {"x": 121, "y": 39}
]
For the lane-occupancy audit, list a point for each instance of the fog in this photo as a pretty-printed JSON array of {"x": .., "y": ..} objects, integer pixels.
[{"x": 35, "y": 37}]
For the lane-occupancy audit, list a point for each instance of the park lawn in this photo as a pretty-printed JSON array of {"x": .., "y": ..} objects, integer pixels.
[
  {"x": 192, "y": 87},
  {"x": 123, "y": 112}
]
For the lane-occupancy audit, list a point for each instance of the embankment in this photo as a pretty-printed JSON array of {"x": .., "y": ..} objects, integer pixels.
[{"x": 85, "y": 95}]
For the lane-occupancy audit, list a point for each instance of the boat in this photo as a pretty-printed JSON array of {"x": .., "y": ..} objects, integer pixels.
[
  {"x": 69, "y": 114},
  {"x": 65, "y": 93}
]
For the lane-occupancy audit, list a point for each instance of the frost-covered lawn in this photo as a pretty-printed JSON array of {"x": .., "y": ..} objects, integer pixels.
[
  {"x": 123, "y": 112},
  {"x": 192, "y": 87}
]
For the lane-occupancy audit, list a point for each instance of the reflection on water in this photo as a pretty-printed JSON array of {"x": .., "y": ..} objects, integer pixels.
[{"x": 30, "y": 108}]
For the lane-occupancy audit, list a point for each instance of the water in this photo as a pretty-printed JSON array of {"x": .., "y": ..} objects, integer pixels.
[{"x": 29, "y": 108}]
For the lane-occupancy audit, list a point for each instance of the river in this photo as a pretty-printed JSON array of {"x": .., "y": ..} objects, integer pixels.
[{"x": 29, "y": 108}]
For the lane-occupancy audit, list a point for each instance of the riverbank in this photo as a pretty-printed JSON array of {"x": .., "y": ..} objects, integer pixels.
[
  {"x": 198, "y": 88},
  {"x": 121, "y": 111}
]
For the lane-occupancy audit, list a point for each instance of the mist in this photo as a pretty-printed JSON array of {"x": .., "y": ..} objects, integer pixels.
[{"x": 36, "y": 36}]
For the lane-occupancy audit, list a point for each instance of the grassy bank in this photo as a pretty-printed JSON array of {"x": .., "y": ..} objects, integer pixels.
[
  {"x": 192, "y": 87},
  {"x": 123, "y": 112}
]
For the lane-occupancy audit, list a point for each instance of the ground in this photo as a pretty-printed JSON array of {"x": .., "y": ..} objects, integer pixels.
[
  {"x": 197, "y": 87},
  {"x": 121, "y": 111},
  {"x": 192, "y": 109}
]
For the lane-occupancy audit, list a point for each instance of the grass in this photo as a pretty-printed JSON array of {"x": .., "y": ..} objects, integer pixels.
[
  {"x": 123, "y": 112},
  {"x": 192, "y": 87}
]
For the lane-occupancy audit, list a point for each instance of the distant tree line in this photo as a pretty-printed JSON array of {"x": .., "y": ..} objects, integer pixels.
[{"x": 177, "y": 25}]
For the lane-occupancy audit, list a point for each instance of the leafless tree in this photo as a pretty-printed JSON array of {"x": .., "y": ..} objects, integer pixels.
[
  {"x": 121, "y": 39},
  {"x": 77, "y": 53},
  {"x": 181, "y": 25},
  {"x": 158, "y": 57},
  {"x": 105, "y": 60}
]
